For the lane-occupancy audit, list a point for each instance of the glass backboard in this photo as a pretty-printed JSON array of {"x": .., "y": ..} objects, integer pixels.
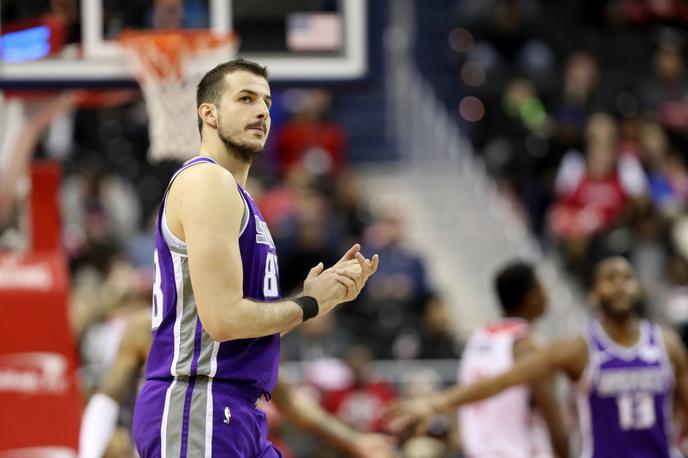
[{"x": 74, "y": 43}]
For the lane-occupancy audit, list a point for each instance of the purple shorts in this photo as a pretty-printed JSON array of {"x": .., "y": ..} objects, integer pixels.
[{"x": 199, "y": 419}]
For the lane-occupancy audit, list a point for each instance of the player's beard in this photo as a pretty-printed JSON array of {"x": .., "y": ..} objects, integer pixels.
[
  {"x": 619, "y": 313},
  {"x": 243, "y": 151}
]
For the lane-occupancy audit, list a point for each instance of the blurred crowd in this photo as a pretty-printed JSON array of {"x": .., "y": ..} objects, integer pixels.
[{"x": 585, "y": 126}]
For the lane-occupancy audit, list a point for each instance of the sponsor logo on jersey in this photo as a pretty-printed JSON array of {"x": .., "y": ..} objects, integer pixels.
[
  {"x": 616, "y": 381},
  {"x": 649, "y": 354}
]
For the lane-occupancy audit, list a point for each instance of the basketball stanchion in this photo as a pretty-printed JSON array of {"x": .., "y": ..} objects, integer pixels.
[
  {"x": 40, "y": 393},
  {"x": 24, "y": 116}
]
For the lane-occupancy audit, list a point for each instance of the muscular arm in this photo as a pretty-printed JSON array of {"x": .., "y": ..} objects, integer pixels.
[
  {"x": 569, "y": 356},
  {"x": 679, "y": 360},
  {"x": 205, "y": 209},
  {"x": 100, "y": 415},
  {"x": 566, "y": 355},
  {"x": 309, "y": 416},
  {"x": 131, "y": 356},
  {"x": 545, "y": 398}
]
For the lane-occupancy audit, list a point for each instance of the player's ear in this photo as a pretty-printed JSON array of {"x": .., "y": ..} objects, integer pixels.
[{"x": 208, "y": 113}]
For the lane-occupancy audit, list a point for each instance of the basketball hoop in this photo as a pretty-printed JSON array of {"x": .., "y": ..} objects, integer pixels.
[{"x": 169, "y": 65}]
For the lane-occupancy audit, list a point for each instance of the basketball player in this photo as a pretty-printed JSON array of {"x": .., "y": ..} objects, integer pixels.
[
  {"x": 629, "y": 372},
  {"x": 485, "y": 429},
  {"x": 100, "y": 416},
  {"x": 217, "y": 312}
]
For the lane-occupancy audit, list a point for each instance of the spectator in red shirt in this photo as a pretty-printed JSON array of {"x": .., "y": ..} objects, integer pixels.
[
  {"x": 309, "y": 138},
  {"x": 363, "y": 402},
  {"x": 594, "y": 192}
]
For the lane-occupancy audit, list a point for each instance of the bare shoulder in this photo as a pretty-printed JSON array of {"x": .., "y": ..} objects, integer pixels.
[
  {"x": 671, "y": 338},
  {"x": 675, "y": 347},
  {"x": 199, "y": 181},
  {"x": 576, "y": 344},
  {"x": 203, "y": 199},
  {"x": 525, "y": 345}
]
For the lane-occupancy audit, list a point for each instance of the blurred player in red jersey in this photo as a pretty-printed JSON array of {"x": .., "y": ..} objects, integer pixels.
[{"x": 485, "y": 429}]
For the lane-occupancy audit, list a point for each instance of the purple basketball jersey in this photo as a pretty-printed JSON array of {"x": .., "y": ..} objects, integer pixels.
[
  {"x": 625, "y": 404},
  {"x": 181, "y": 348}
]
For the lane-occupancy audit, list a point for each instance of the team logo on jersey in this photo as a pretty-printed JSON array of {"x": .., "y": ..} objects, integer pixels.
[
  {"x": 263, "y": 233},
  {"x": 228, "y": 415},
  {"x": 649, "y": 354}
]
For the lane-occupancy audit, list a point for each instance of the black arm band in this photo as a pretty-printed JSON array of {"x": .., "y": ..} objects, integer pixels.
[{"x": 309, "y": 306}]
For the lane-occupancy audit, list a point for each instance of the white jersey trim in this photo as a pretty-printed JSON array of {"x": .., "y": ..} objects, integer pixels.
[
  {"x": 171, "y": 240},
  {"x": 179, "y": 286},
  {"x": 625, "y": 353},
  {"x": 244, "y": 219},
  {"x": 209, "y": 402},
  {"x": 163, "y": 426},
  {"x": 209, "y": 420}
]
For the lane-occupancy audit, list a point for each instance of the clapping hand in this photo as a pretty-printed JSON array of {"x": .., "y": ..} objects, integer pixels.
[{"x": 342, "y": 282}]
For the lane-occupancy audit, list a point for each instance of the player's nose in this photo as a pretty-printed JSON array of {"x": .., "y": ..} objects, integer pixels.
[
  {"x": 263, "y": 111},
  {"x": 263, "y": 116}
]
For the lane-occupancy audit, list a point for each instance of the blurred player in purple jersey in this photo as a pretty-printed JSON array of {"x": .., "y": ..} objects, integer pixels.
[
  {"x": 630, "y": 375},
  {"x": 217, "y": 313}
]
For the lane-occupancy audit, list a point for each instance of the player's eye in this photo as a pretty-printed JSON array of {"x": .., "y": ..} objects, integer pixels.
[{"x": 245, "y": 99}]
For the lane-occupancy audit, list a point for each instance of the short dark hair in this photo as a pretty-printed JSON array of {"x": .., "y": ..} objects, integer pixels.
[
  {"x": 210, "y": 88},
  {"x": 513, "y": 283}
]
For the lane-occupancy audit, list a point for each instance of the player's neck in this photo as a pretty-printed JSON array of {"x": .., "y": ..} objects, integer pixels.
[
  {"x": 238, "y": 168},
  {"x": 624, "y": 332}
]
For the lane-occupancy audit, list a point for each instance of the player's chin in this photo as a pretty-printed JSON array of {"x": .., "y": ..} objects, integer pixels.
[
  {"x": 255, "y": 141},
  {"x": 622, "y": 309}
]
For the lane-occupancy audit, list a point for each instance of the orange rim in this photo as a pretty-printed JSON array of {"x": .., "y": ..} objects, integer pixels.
[{"x": 161, "y": 51}]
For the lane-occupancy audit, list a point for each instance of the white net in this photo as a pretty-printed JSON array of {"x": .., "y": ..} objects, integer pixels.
[{"x": 168, "y": 71}]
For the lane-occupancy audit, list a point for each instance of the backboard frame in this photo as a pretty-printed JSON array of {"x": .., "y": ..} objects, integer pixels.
[{"x": 104, "y": 65}]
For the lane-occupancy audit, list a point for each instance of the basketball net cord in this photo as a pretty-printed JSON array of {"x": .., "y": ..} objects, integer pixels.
[{"x": 168, "y": 72}]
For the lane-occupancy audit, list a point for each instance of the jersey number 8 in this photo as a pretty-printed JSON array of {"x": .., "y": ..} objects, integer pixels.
[
  {"x": 157, "y": 295},
  {"x": 270, "y": 283}
]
